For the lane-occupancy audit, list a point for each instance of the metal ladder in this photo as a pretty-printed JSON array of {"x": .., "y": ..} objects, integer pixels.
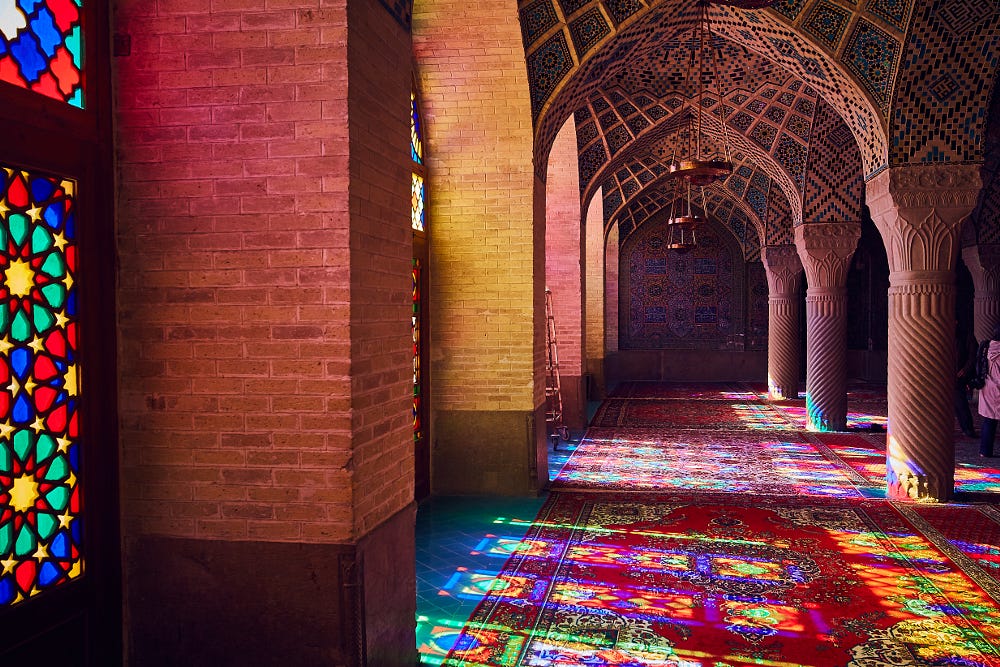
[{"x": 553, "y": 388}]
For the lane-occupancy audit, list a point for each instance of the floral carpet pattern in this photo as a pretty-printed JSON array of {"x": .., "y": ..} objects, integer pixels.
[
  {"x": 725, "y": 580},
  {"x": 717, "y": 532}
]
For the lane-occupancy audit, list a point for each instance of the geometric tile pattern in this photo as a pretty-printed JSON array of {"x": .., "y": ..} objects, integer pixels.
[
  {"x": 834, "y": 182},
  {"x": 827, "y": 22},
  {"x": 895, "y": 12},
  {"x": 536, "y": 19},
  {"x": 944, "y": 83},
  {"x": 872, "y": 54},
  {"x": 779, "y": 229},
  {"x": 986, "y": 216},
  {"x": 588, "y": 30},
  {"x": 547, "y": 66}
]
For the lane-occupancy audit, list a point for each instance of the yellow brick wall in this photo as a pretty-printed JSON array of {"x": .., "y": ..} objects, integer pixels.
[{"x": 594, "y": 273}]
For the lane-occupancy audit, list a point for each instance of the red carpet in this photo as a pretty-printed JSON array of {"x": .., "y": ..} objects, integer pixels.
[
  {"x": 714, "y": 580},
  {"x": 693, "y": 414},
  {"x": 691, "y": 390}
]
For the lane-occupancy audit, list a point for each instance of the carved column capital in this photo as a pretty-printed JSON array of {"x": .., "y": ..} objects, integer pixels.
[
  {"x": 825, "y": 249},
  {"x": 984, "y": 265},
  {"x": 919, "y": 210},
  {"x": 783, "y": 269}
]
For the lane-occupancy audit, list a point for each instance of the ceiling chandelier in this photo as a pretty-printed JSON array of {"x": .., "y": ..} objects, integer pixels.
[{"x": 702, "y": 162}]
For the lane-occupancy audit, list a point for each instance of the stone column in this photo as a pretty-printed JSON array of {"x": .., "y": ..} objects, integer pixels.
[
  {"x": 918, "y": 211},
  {"x": 984, "y": 265},
  {"x": 784, "y": 275},
  {"x": 825, "y": 249}
]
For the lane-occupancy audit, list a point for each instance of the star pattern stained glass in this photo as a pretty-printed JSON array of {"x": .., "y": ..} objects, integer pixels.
[
  {"x": 40, "y": 523},
  {"x": 417, "y": 203},
  {"x": 41, "y": 47}
]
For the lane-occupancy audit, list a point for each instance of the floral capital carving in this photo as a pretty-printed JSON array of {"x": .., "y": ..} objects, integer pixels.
[
  {"x": 919, "y": 210},
  {"x": 783, "y": 268},
  {"x": 825, "y": 249}
]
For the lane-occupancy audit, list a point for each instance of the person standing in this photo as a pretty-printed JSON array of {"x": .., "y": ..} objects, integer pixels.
[
  {"x": 989, "y": 396},
  {"x": 965, "y": 365}
]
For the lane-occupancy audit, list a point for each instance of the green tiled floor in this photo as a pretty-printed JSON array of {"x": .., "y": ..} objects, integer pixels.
[{"x": 462, "y": 542}]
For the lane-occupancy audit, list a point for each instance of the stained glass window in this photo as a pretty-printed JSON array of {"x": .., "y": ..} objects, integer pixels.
[
  {"x": 41, "y": 47},
  {"x": 417, "y": 203},
  {"x": 416, "y": 131},
  {"x": 40, "y": 524},
  {"x": 415, "y": 328}
]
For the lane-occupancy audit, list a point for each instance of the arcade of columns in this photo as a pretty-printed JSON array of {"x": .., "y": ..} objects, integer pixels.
[{"x": 918, "y": 211}]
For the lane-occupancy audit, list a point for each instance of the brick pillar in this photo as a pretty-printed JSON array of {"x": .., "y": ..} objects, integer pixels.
[
  {"x": 486, "y": 225},
  {"x": 594, "y": 273},
  {"x": 918, "y": 211},
  {"x": 825, "y": 249},
  {"x": 784, "y": 275},
  {"x": 264, "y": 243},
  {"x": 984, "y": 265},
  {"x": 564, "y": 269}
]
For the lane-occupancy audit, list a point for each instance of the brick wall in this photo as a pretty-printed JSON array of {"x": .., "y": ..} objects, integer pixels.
[
  {"x": 479, "y": 144},
  {"x": 263, "y": 300},
  {"x": 594, "y": 277},
  {"x": 611, "y": 291}
]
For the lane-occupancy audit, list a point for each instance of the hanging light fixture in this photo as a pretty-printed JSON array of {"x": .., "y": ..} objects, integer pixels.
[{"x": 700, "y": 165}]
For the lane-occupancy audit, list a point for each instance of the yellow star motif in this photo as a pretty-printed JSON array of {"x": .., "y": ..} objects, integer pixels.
[
  {"x": 41, "y": 553},
  {"x": 61, "y": 320},
  {"x": 14, "y": 386},
  {"x": 5, "y": 345},
  {"x": 64, "y": 443},
  {"x": 69, "y": 187},
  {"x": 19, "y": 598},
  {"x": 76, "y": 569},
  {"x": 36, "y": 344},
  {"x": 8, "y": 564},
  {"x": 72, "y": 380},
  {"x": 29, "y": 386},
  {"x": 23, "y": 493},
  {"x": 6, "y": 429},
  {"x": 38, "y": 425},
  {"x": 71, "y": 481},
  {"x": 65, "y": 519},
  {"x": 35, "y": 213},
  {"x": 20, "y": 278},
  {"x": 59, "y": 240},
  {"x": 3, "y": 207},
  {"x": 68, "y": 282}
]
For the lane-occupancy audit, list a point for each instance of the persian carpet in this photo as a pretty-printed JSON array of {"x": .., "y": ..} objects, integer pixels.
[
  {"x": 730, "y": 580},
  {"x": 693, "y": 414},
  {"x": 680, "y": 390},
  {"x": 861, "y": 414},
  {"x": 630, "y": 459},
  {"x": 963, "y": 532}
]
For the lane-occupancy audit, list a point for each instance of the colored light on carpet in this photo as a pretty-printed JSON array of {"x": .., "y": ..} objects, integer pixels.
[
  {"x": 798, "y": 417},
  {"x": 691, "y": 414},
  {"x": 749, "y": 581},
  {"x": 665, "y": 459}
]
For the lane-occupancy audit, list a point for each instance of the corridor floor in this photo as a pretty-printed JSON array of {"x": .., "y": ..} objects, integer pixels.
[{"x": 699, "y": 525}]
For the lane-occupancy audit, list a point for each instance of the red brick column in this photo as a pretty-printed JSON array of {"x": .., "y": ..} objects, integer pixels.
[
  {"x": 264, "y": 245},
  {"x": 594, "y": 277}
]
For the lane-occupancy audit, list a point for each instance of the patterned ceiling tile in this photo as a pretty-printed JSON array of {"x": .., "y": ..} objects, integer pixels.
[
  {"x": 961, "y": 16},
  {"x": 764, "y": 134},
  {"x": 657, "y": 112},
  {"x": 840, "y": 136},
  {"x": 834, "y": 183},
  {"x": 612, "y": 202},
  {"x": 944, "y": 88},
  {"x": 872, "y": 53},
  {"x": 789, "y": 8},
  {"x": 637, "y": 124},
  {"x": 736, "y": 184},
  {"x": 608, "y": 120},
  {"x": 546, "y": 68},
  {"x": 643, "y": 101},
  {"x": 768, "y": 93},
  {"x": 742, "y": 121},
  {"x": 617, "y": 138},
  {"x": 758, "y": 202},
  {"x": 758, "y": 106},
  {"x": 570, "y": 6},
  {"x": 622, "y": 9},
  {"x": 805, "y": 107},
  {"x": 893, "y": 12},
  {"x": 626, "y": 109},
  {"x": 591, "y": 160},
  {"x": 536, "y": 19},
  {"x": 589, "y": 30},
  {"x": 791, "y": 155},
  {"x": 775, "y": 115},
  {"x": 827, "y": 23},
  {"x": 786, "y": 98},
  {"x": 779, "y": 219},
  {"x": 799, "y": 126},
  {"x": 585, "y": 134}
]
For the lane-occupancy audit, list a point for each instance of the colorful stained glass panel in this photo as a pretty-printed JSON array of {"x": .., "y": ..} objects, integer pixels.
[
  {"x": 40, "y": 524},
  {"x": 415, "y": 328},
  {"x": 416, "y": 132},
  {"x": 41, "y": 47},
  {"x": 417, "y": 203}
]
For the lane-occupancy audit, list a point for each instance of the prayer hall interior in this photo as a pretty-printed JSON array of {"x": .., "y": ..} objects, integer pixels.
[{"x": 496, "y": 332}]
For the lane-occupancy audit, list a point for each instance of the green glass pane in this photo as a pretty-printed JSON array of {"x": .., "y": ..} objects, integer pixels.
[
  {"x": 21, "y": 328},
  {"x": 5, "y": 460},
  {"x": 26, "y": 543},
  {"x": 22, "y": 445},
  {"x": 43, "y": 318},
  {"x": 46, "y": 525},
  {"x": 58, "y": 498},
  {"x": 19, "y": 227},
  {"x": 54, "y": 265},
  {"x": 55, "y": 295},
  {"x": 58, "y": 470},
  {"x": 41, "y": 240},
  {"x": 73, "y": 46},
  {"x": 3, "y": 236},
  {"x": 45, "y": 447},
  {"x": 6, "y": 538},
  {"x": 4, "y": 321}
]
